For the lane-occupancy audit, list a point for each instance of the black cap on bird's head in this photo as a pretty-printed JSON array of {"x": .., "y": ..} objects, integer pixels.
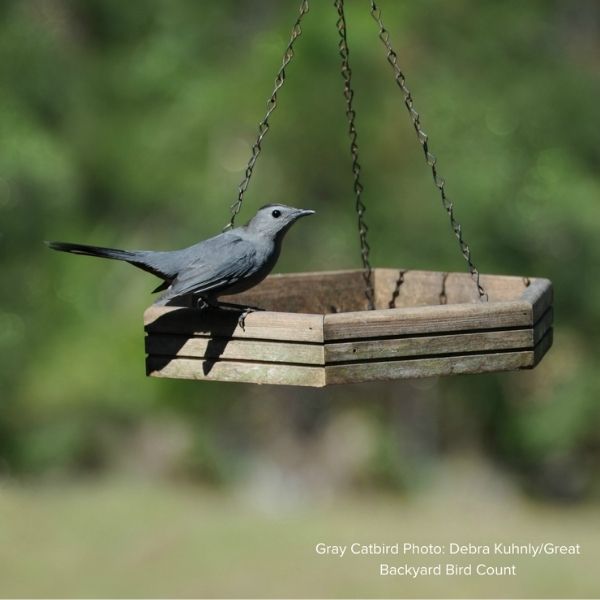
[{"x": 276, "y": 219}]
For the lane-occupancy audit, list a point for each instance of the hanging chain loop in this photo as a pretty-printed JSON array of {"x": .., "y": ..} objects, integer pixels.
[
  {"x": 431, "y": 160},
  {"x": 263, "y": 126},
  {"x": 358, "y": 187}
]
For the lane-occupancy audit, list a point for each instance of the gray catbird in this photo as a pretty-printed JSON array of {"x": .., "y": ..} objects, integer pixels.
[{"x": 231, "y": 262}]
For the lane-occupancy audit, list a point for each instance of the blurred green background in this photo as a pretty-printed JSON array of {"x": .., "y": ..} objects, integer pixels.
[{"x": 129, "y": 124}]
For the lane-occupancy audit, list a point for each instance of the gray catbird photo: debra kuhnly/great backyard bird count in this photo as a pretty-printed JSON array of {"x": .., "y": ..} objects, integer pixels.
[{"x": 228, "y": 263}]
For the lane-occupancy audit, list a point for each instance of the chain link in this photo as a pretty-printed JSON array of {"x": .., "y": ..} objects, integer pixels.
[
  {"x": 358, "y": 187},
  {"x": 263, "y": 126},
  {"x": 431, "y": 160}
]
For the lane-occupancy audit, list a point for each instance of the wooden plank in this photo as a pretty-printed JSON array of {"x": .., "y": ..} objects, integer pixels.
[
  {"x": 343, "y": 291},
  {"x": 543, "y": 346},
  {"x": 427, "y": 288},
  {"x": 286, "y": 352},
  {"x": 427, "y": 319},
  {"x": 428, "y": 367},
  {"x": 540, "y": 295},
  {"x": 259, "y": 325},
  {"x": 407, "y": 288},
  {"x": 460, "y": 288},
  {"x": 439, "y": 316},
  {"x": 245, "y": 372},
  {"x": 236, "y": 349},
  {"x": 378, "y": 349},
  {"x": 542, "y": 326},
  {"x": 317, "y": 293}
]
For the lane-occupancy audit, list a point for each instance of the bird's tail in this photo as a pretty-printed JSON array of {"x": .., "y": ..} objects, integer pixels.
[{"x": 93, "y": 251}]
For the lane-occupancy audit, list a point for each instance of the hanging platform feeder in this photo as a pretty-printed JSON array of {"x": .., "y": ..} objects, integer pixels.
[{"x": 318, "y": 329}]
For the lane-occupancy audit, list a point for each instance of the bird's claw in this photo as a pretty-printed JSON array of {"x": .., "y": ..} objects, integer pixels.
[
  {"x": 201, "y": 303},
  {"x": 242, "y": 318}
]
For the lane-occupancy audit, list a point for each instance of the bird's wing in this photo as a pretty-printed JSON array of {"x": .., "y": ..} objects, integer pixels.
[
  {"x": 222, "y": 261},
  {"x": 161, "y": 264}
]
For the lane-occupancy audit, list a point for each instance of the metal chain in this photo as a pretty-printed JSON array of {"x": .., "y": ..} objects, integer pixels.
[
  {"x": 263, "y": 126},
  {"x": 431, "y": 160},
  {"x": 358, "y": 187}
]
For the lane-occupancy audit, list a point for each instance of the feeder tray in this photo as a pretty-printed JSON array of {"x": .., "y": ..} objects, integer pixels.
[
  {"x": 320, "y": 329},
  {"x": 317, "y": 330}
]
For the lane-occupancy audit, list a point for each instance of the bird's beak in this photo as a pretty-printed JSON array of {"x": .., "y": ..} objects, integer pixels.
[{"x": 304, "y": 213}]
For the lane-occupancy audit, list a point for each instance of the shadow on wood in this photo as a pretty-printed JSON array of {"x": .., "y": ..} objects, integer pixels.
[
  {"x": 216, "y": 325},
  {"x": 316, "y": 330}
]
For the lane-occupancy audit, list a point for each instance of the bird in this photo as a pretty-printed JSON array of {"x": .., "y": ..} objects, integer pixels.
[{"x": 228, "y": 263}]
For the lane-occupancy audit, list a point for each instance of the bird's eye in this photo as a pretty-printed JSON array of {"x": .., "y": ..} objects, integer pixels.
[{"x": 276, "y": 213}]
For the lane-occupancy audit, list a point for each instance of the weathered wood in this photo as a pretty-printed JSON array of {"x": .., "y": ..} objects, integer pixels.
[
  {"x": 543, "y": 346},
  {"x": 259, "y": 325},
  {"x": 542, "y": 325},
  {"x": 317, "y": 293},
  {"x": 460, "y": 287},
  {"x": 428, "y": 288},
  {"x": 427, "y": 319},
  {"x": 407, "y": 288},
  {"x": 440, "y": 327},
  {"x": 539, "y": 294},
  {"x": 428, "y": 345},
  {"x": 428, "y": 367},
  {"x": 235, "y": 349},
  {"x": 343, "y": 291},
  {"x": 245, "y": 372}
]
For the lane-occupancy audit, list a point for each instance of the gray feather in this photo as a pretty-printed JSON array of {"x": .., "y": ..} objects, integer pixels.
[
  {"x": 228, "y": 263},
  {"x": 222, "y": 262}
]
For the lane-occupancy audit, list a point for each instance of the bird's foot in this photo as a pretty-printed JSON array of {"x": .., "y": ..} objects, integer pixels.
[
  {"x": 245, "y": 312},
  {"x": 201, "y": 303}
]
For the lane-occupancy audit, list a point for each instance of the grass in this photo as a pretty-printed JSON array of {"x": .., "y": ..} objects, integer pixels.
[{"x": 132, "y": 539}]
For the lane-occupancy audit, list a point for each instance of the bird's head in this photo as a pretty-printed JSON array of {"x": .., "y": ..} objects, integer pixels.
[{"x": 275, "y": 219}]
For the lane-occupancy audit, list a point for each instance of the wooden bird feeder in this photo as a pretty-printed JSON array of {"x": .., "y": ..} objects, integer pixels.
[
  {"x": 316, "y": 330},
  {"x": 326, "y": 328}
]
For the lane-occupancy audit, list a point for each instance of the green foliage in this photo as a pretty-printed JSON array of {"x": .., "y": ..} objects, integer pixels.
[{"x": 130, "y": 124}]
